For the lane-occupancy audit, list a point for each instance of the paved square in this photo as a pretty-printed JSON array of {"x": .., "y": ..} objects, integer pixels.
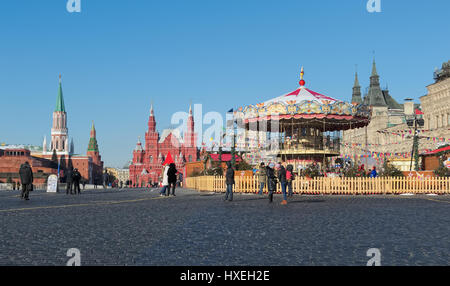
[{"x": 137, "y": 227}]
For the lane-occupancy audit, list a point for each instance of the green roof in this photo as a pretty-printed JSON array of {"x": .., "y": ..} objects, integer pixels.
[
  {"x": 60, "y": 99},
  {"x": 93, "y": 145}
]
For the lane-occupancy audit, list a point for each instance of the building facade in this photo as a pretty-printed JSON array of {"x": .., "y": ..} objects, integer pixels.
[
  {"x": 147, "y": 160},
  {"x": 120, "y": 175},
  {"x": 389, "y": 135},
  {"x": 436, "y": 107},
  {"x": 369, "y": 144}
]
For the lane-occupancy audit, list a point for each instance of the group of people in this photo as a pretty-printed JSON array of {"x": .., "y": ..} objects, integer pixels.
[
  {"x": 371, "y": 174},
  {"x": 269, "y": 176},
  {"x": 169, "y": 181},
  {"x": 73, "y": 181}
]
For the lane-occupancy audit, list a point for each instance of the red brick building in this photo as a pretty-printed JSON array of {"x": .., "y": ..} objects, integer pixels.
[
  {"x": 12, "y": 158},
  {"x": 148, "y": 159}
]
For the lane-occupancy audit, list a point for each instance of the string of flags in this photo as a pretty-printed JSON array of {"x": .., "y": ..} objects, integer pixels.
[
  {"x": 410, "y": 132},
  {"x": 418, "y": 131},
  {"x": 387, "y": 155},
  {"x": 349, "y": 144}
]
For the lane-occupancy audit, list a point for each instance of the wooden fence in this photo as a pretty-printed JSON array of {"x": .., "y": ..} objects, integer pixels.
[{"x": 331, "y": 186}]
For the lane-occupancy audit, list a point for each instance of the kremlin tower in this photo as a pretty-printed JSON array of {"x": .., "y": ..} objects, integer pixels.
[
  {"x": 60, "y": 137},
  {"x": 89, "y": 165}
]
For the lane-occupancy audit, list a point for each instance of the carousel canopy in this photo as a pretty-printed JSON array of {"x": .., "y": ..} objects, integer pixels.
[
  {"x": 306, "y": 106},
  {"x": 299, "y": 95}
]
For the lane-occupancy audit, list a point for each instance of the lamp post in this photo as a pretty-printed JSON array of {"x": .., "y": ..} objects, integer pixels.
[
  {"x": 416, "y": 122},
  {"x": 233, "y": 146}
]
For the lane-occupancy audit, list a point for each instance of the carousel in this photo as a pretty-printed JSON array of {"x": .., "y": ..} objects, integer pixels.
[{"x": 300, "y": 127}]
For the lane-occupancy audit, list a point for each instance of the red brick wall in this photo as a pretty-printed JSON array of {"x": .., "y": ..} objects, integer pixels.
[{"x": 10, "y": 165}]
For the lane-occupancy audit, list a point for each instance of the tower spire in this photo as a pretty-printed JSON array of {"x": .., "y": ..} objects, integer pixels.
[
  {"x": 356, "y": 96},
  {"x": 374, "y": 68},
  {"x": 59, "y": 133},
  {"x": 375, "y": 96},
  {"x": 93, "y": 132},
  {"x": 60, "y": 99},
  {"x": 356, "y": 80}
]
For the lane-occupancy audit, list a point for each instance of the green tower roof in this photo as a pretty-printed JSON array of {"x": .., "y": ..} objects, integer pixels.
[
  {"x": 93, "y": 145},
  {"x": 60, "y": 99}
]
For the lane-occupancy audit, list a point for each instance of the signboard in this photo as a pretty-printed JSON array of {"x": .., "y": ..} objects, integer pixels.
[
  {"x": 447, "y": 163},
  {"x": 52, "y": 184}
]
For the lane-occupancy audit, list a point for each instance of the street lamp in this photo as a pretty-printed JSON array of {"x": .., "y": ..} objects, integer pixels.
[{"x": 416, "y": 122}]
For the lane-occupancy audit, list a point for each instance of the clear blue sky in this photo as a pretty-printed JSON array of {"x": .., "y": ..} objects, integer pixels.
[{"x": 117, "y": 56}]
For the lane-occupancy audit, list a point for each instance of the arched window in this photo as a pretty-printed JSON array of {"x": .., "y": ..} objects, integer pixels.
[
  {"x": 151, "y": 159},
  {"x": 57, "y": 144},
  {"x": 190, "y": 158}
]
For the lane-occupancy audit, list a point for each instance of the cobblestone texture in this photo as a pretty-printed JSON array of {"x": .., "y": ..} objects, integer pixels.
[{"x": 137, "y": 227}]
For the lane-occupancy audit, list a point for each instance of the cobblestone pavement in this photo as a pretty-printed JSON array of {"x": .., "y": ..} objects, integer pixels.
[{"x": 137, "y": 227}]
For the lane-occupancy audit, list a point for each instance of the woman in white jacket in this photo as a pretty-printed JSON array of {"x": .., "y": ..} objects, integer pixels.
[{"x": 165, "y": 182}]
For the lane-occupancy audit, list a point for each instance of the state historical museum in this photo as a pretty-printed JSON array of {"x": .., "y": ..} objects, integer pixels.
[{"x": 147, "y": 164}]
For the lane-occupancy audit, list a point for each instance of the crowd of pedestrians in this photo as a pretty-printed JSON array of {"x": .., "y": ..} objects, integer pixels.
[
  {"x": 269, "y": 176},
  {"x": 283, "y": 174}
]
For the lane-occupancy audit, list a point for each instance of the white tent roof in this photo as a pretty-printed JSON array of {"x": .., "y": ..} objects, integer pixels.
[{"x": 301, "y": 94}]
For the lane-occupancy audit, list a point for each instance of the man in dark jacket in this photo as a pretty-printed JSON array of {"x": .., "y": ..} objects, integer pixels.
[
  {"x": 172, "y": 178},
  {"x": 262, "y": 178},
  {"x": 105, "y": 179},
  {"x": 229, "y": 180},
  {"x": 271, "y": 181},
  {"x": 76, "y": 177},
  {"x": 26, "y": 178},
  {"x": 283, "y": 182},
  {"x": 69, "y": 181}
]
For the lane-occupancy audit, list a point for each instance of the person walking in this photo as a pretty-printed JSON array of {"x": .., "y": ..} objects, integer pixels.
[
  {"x": 84, "y": 184},
  {"x": 69, "y": 181},
  {"x": 180, "y": 180},
  {"x": 271, "y": 181},
  {"x": 172, "y": 178},
  {"x": 26, "y": 179},
  {"x": 105, "y": 179},
  {"x": 283, "y": 181},
  {"x": 262, "y": 177},
  {"x": 290, "y": 178},
  {"x": 165, "y": 181},
  {"x": 229, "y": 180},
  {"x": 76, "y": 177}
]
